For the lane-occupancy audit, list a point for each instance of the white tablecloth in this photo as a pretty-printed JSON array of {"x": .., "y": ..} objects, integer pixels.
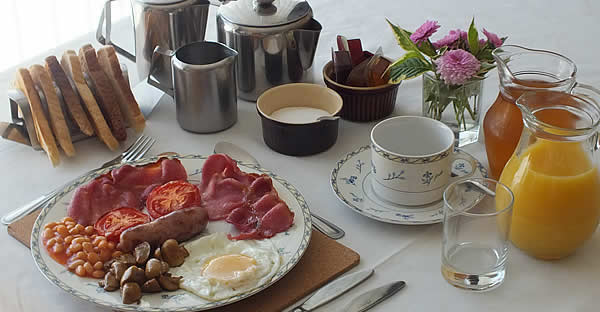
[{"x": 403, "y": 252}]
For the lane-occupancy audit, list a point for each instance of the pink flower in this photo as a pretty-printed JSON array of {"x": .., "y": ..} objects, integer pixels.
[
  {"x": 493, "y": 38},
  {"x": 455, "y": 67},
  {"x": 424, "y": 32},
  {"x": 450, "y": 38}
]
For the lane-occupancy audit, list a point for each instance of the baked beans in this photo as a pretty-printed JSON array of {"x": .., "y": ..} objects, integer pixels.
[{"x": 78, "y": 247}]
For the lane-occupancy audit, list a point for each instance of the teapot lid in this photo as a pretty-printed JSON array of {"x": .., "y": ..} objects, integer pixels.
[{"x": 264, "y": 13}]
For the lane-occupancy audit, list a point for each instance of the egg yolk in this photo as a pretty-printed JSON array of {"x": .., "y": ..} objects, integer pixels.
[{"x": 229, "y": 268}]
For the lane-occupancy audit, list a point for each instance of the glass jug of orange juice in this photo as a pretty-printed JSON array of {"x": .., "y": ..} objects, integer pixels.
[
  {"x": 522, "y": 70},
  {"x": 554, "y": 174}
]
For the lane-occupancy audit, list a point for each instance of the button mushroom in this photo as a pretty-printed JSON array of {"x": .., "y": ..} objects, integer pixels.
[
  {"x": 110, "y": 282},
  {"x": 185, "y": 251},
  {"x": 133, "y": 274},
  {"x": 168, "y": 282},
  {"x": 172, "y": 253},
  {"x": 164, "y": 267},
  {"x": 127, "y": 258},
  {"x": 131, "y": 293},
  {"x": 141, "y": 253},
  {"x": 153, "y": 268},
  {"x": 118, "y": 268},
  {"x": 151, "y": 286},
  {"x": 108, "y": 264}
]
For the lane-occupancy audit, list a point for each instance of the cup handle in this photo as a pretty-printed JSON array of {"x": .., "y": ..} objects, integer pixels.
[
  {"x": 159, "y": 53},
  {"x": 458, "y": 155},
  {"x": 106, "y": 41}
]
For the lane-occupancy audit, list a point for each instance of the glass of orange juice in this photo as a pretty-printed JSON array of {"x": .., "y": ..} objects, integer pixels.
[{"x": 476, "y": 228}]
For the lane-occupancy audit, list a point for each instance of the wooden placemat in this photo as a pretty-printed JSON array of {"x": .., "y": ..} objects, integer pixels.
[{"x": 323, "y": 260}]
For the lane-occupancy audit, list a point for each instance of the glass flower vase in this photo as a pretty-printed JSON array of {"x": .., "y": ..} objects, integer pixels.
[{"x": 457, "y": 106}]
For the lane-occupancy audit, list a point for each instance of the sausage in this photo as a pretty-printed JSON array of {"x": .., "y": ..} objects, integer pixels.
[{"x": 180, "y": 225}]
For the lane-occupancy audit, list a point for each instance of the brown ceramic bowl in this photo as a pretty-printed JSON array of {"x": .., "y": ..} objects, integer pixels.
[
  {"x": 296, "y": 133},
  {"x": 363, "y": 103}
]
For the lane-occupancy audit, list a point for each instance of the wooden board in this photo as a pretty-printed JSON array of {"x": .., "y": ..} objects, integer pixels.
[{"x": 324, "y": 260}]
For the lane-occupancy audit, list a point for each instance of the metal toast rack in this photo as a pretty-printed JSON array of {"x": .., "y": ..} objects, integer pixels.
[{"x": 22, "y": 129}]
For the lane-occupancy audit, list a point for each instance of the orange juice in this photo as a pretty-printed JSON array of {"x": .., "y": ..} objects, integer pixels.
[{"x": 556, "y": 190}]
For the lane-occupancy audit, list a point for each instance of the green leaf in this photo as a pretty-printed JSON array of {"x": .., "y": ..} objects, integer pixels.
[
  {"x": 427, "y": 48},
  {"x": 403, "y": 39},
  {"x": 485, "y": 55},
  {"x": 407, "y": 67},
  {"x": 487, "y": 66},
  {"x": 484, "y": 69},
  {"x": 440, "y": 53},
  {"x": 473, "y": 38}
]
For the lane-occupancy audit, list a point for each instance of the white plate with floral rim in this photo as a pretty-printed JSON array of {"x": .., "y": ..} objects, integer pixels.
[
  {"x": 290, "y": 244},
  {"x": 351, "y": 183}
]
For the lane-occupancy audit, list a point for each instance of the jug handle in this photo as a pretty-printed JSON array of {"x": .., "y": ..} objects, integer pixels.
[
  {"x": 106, "y": 41},
  {"x": 590, "y": 93},
  {"x": 160, "y": 52},
  {"x": 587, "y": 91}
]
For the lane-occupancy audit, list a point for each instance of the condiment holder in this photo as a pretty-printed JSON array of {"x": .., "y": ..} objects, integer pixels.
[
  {"x": 363, "y": 103},
  {"x": 299, "y": 119}
]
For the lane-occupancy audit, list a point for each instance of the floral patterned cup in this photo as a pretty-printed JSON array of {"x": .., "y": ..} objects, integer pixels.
[{"x": 411, "y": 159}]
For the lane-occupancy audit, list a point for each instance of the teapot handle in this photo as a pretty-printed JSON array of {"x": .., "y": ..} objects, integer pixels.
[{"x": 106, "y": 41}]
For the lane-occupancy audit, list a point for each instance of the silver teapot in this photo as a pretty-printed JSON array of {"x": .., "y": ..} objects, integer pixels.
[
  {"x": 169, "y": 24},
  {"x": 276, "y": 41}
]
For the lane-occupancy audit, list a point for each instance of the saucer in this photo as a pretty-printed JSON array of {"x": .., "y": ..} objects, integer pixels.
[{"x": 351, "y": 181}]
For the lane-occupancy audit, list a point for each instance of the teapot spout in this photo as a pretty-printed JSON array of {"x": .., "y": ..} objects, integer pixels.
[{"x": 306, "y": 39}]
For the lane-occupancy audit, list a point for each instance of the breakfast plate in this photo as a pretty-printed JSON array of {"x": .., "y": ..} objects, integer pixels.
[
  {"x": 290, "y": 245},
  {"x": 351, "y": 182}
]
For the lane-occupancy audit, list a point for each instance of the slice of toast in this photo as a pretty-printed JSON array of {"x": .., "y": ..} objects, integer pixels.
[
  {"x": 57, "y": 118},
  {"x": 70, "y": 63},
  {"x": 107, "y": 57},
  {"x": 105, "y": 94},
  {"x": 71, "y": 99},
  {"x": 42, "y": 127}
]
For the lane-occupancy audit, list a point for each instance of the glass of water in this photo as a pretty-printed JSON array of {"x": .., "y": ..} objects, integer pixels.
[{"x": 477, "y": 217}]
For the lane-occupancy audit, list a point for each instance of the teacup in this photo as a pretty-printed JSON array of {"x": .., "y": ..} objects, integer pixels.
[{"x": 411, "y": 159}]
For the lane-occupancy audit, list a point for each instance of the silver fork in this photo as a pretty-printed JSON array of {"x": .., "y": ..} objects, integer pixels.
[{"x": 134, "y": 152}]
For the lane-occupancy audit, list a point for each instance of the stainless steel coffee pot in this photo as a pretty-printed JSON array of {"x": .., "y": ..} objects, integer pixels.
[
  {"x": 276, "y": 41},
  {"x": 169, "y": 24}
]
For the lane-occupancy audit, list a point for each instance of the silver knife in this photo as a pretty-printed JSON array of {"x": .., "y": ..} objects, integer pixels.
[
  {"x": 373, "y": 297},
  {"x": 333, "y": 290}
]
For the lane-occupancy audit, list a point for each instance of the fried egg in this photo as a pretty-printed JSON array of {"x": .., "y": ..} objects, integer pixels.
[{"x": 218, "y": 268}]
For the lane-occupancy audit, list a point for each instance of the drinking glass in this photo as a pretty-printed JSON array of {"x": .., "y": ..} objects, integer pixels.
[{"x": 477, "y": 217}]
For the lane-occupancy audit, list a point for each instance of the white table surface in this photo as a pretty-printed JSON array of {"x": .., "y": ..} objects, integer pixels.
[{"x": 411, "y": 253}]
